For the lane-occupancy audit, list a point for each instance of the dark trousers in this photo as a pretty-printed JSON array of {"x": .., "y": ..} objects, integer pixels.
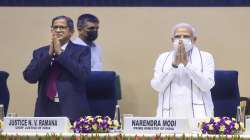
[{"x": 53, "y": 109}]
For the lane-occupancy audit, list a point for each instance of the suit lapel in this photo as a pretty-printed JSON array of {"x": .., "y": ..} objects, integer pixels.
[{"x": 69, "y": 48}]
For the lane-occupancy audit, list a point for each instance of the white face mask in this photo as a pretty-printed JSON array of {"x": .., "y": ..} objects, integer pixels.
[{"x": 187, "y": 44}]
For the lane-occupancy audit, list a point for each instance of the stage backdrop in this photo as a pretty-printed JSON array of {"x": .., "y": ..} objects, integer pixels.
[{"x": 131, "y": 39}]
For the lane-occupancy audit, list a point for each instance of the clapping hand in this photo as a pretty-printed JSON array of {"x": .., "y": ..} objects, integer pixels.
[
  {"x": 181, "y": 55},
  {"x": 55, "y": 46}
]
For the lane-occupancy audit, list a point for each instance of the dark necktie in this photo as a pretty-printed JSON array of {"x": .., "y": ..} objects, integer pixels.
[{"x": 53, "y": 74}]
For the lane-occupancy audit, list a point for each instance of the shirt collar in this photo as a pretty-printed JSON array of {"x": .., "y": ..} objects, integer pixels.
[
  {"x": 63, "y": 47},
  {"x": 78, "y": 40}
]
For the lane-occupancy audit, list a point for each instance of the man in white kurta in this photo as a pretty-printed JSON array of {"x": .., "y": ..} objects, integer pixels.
[{"x": 183, "y": 77}]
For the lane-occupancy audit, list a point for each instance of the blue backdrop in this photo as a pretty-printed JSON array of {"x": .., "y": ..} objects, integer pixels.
[{"x": 130, "y": 3}]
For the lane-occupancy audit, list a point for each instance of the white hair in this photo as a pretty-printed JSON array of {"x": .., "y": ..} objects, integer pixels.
[{"x": 183, "y": 25}]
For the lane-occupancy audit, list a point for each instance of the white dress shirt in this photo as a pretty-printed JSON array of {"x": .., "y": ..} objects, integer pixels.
[{"x": 96, "y": 54}]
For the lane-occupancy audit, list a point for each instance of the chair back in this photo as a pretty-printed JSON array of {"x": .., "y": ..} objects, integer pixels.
[
  {"x": 4, "y": 91},
  {"x": 225, "y": 93},
  {"x": 101, "y": 93}
]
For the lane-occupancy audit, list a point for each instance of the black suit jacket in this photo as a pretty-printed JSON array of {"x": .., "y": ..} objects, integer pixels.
[{"x": 75, "y": 66}]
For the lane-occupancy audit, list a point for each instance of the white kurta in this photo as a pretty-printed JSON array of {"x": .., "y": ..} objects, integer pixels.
[{"x": 184, "y": 92}]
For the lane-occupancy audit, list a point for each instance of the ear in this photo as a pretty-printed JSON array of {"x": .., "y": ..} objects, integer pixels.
[
  {"x": 172, "y": 39},
  {"x": 195, "y": 38},
  {"x": 80, "y": 30}
]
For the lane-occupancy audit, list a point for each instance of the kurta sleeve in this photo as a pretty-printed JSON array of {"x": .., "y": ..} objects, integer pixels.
[
  {"x": 204, "y": 80},
  {"x": 163, "y": 73}
]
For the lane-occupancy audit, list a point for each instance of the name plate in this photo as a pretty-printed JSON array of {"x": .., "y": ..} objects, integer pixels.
[
  {"x": 36, "y": 124},
  {"x": 155, "y": 125}
]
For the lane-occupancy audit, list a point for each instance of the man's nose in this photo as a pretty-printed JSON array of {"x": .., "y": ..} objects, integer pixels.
[{"x": 58, "y": 30}]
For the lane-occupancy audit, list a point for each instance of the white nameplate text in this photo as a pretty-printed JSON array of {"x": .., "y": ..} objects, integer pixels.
[
  {"x": 155, "y": 125},
  {"x": 36, "y": 124}
]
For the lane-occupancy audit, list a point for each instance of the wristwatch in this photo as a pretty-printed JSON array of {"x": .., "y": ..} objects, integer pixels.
[{"x": 174, "y": 66}]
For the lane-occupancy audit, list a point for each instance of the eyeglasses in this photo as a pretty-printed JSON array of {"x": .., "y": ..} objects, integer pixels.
[
  {"x": 184, "y": 36},
  {"x": 59, "y": 27}
]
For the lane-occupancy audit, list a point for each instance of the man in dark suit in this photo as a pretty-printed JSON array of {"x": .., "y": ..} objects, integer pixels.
[{"x": 60, "y": 69}]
